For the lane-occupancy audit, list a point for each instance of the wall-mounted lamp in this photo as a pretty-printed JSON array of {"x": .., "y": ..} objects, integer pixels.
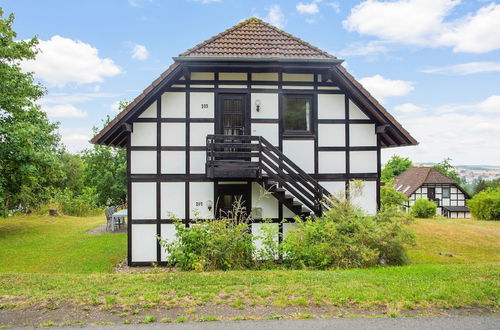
[
  {"x": 257, "y": 105},
  {"x": 209, "y": 205}
]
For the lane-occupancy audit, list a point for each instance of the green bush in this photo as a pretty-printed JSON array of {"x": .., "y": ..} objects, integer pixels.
[
  {"x": 80, "y": 205},
  {"x": 390, "y": 198},
  {"x": 423, "y": 208},
  {"x": 486, "y": 204},
  {"x": 217, "y": 244},
  {"x": 343, "y": 238}
]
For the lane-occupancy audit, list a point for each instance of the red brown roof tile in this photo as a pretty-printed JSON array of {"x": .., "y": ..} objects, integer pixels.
[
  {"x": 413, "y": 178},
  {"x": 256, "y": 38}
]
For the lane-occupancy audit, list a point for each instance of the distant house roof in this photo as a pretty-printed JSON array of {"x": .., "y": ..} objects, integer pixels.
[
  {"x": 256, "y": 40},
  {"x": 413, "y": 178}
]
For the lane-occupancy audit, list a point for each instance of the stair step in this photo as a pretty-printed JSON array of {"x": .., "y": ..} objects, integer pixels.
[
  {"x": 297, "y": 204},
  {"x": 288, "y": 196}
]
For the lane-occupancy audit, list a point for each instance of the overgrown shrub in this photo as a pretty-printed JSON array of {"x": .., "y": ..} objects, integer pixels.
[
  {"x": 423, "y": 208},
  {"x": 83, "y": 204},
  {"x": 217, "y": 244},
  {"x": 486, "y": 204},
  {"x": 390, "y": 198},
  {"x": 344, "y": 237}
]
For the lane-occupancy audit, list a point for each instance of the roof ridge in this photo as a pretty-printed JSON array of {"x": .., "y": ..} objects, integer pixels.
[{"x": 255, "y": 20}]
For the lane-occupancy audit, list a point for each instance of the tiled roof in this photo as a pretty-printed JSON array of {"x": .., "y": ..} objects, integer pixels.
[
  {"x": 456, "y": 208},
  {"x": 413, "y": 178},
  {"x": 256, "y": 38}
]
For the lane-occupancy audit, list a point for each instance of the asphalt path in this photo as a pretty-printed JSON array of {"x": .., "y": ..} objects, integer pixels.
[{"x": 455, "y": 323}]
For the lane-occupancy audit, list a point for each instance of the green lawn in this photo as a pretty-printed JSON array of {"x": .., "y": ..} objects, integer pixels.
[
  {"x": 34, "y": 244},
  {"x": 61, "y": 256}
]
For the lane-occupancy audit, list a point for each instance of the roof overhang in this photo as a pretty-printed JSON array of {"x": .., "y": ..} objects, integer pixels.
[{"x": 330, "y": 61}]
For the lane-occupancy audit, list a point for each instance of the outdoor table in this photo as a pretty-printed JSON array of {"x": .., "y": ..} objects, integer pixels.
[{"x": 117, "y": 217}]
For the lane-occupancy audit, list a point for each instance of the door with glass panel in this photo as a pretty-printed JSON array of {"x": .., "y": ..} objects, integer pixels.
[{"x": 233, "y": 115}]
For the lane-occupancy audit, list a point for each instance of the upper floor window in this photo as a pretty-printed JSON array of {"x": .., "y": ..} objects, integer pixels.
[
  {"x": 297, "y": 113},
  {"x": 446, "y": 192}
]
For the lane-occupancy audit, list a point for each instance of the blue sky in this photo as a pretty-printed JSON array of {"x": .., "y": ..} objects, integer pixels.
[{"x": 434, "y": 64}]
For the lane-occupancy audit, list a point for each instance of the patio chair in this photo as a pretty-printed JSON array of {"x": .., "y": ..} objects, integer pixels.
[{"x": 108, "y": 212}]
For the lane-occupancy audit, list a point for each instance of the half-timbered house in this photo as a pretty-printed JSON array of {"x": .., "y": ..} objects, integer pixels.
[
  {"x": 250, "y": 109},
  {"x": 429, "y": 183}
]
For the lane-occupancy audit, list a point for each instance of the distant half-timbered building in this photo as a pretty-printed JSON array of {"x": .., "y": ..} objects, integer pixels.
[
  {"x": 251, "y": 109},
  {"x": 429, "y": 183}
]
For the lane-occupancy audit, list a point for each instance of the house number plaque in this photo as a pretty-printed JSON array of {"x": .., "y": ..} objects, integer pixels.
[{"x": 204, "y": 105}]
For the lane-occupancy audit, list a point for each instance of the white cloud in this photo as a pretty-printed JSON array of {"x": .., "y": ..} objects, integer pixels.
[
  {"x": 364, "y": 48},
  {"x": 381, "y": 87},
  {"x": 335, "y": 5},
  {"x": 138, "y": 3},
  {"x": 115, "y": 106},
  {"x": 490, "y": 105},
  {"x": 63, "y": 111},
  {"x": 206, "y": 1},
  {"x": 62, "y": 61},
  {"x": 140, "y": 52},
  {"x": 61, "y": 98},
  {"x": 75, "y": 140},
  {"x": 423, "y": 23},
  {"x": 468, "y": 137},
  {"x": 307, "y": 8},
  {"x": 475, "y": 33},
  {"x": 466, "y": 68},
  {"x": 275, "y": 16},
  {"x": 408, "y": 108}
]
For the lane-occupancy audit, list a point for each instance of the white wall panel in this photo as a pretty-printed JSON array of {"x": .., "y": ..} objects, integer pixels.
[
  {"x": 198, "y": 133},
  {"x": 143, "y": 243},
  {"x": 199, "y": 194},
  {"x": 331, "y": 135},
  {"x": 257, "y": 231},
  {"x": 363, "y": 161},
  {"x": 150, "y": 112},
  {"x": 335, "y": 188},
  {"x": 264, "y": 200},
  {"x": 287, "y": 213},
  {"x": 143, "y": 134},
  {"x": 232, "y": 76},
  {"x": 368, "y": 200},
  {"x": 168, "y": 234},
  {"x": 173, "y": 105},
  {"x": 202, "y": 76},
  {"x": 331, "y": 162},
  {"x": 197, "y": 162},
  {"x": 362, "y": 135},
  {"x": 172, "y": 200},
  {"x": 301, "y": 152},
  {"x": 355, "y": 112},
  {"x": 298, "y": 77},
  {"x": 269, "y": 131},
  {"x": 143, "y": 200},
  {"x": 143, "y": 162},
  {"x": 268, "y": 105},
  {"x": 331, "y": 106},
  {"x": 173, "y": 134},
  {"x": 265, "y": 76},
  {"x": 173, "y": 162},
  {"x": 201, "y": 105}
]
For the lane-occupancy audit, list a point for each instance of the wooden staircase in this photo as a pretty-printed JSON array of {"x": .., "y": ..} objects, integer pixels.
[{"x": 253, "y": 157}]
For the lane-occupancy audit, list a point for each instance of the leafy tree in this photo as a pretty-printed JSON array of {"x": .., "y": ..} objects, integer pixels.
[
  {"x": 394, "y": 167},
  {"x": 486, "y": 204},
  {"x": 106, "y": 172},
  {"x": 449, "y": 170},
  {"x": 390, "y": 198},
  {"x": 73, "y": 170},
  {"x": 484, "y": 184},
  {"x": 29, "y": 145}
]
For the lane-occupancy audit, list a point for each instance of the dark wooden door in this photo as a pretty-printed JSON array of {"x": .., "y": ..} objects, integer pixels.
[
  {"x": 431, "y": 193},
  {"x": 230, "y": 196},
  {"x": 233, "y": 115}
]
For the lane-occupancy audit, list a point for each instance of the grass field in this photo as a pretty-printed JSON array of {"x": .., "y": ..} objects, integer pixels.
[
  {"x": 51, "y": 261},
  {"x": 32, "y": 244}
]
